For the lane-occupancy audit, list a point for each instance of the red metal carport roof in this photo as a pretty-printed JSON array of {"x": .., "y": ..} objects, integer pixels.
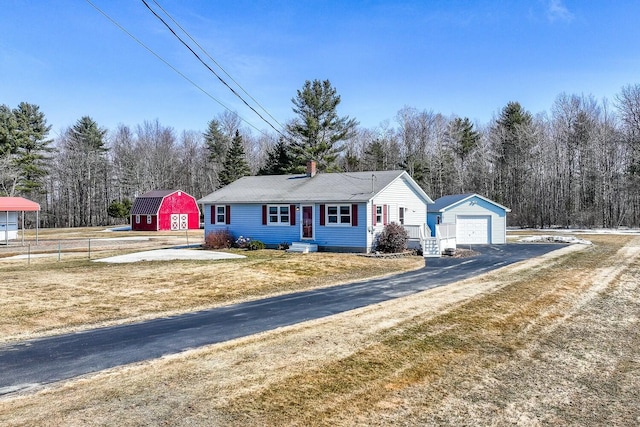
[{"x": 17, "y": 204}]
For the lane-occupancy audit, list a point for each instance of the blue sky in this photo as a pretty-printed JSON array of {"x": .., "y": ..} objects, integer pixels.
[{"x": 467, "y": 58}]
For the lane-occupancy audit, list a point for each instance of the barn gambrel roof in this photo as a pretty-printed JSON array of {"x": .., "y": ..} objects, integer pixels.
[{"x": 149, "y": 203}]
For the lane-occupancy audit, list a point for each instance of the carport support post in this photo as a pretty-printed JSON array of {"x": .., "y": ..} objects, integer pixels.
[
  {"x": 6, "y": 230},
  {"x": 22, "y": 221}
]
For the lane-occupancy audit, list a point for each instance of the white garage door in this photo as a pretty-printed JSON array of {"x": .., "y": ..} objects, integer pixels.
[{"x": 473, "y": 230}]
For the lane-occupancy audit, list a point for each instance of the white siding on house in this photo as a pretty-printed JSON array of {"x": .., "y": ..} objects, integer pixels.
[{"x": 398, "y": 194}]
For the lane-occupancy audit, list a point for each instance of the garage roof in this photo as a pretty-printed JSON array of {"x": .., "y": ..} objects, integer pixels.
[
  {"x": 445, "y": 202},
  {"x": 17, "y": 204}
]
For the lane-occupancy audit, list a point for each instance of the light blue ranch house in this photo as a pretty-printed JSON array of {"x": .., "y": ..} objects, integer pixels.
[{"x": 342, "y": 212}]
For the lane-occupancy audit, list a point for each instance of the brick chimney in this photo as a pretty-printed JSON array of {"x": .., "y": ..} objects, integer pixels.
[{"x": 311, "y": 168}]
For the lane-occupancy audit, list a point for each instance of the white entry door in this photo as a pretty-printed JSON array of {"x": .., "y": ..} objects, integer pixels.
[{"x": 473, "y": 230}]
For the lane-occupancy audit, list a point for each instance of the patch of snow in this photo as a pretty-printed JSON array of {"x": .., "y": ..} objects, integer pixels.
[
  {"x": 554, "y": 239},
  {"x": 622, "y": 230},
  {"x": 169, "y": 254},
  {"x": 124, "y": 228}
]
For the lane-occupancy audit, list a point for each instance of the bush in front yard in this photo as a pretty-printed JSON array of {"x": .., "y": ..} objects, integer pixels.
[
  {"x": 218, "y": 239},
  {"x": 393, "y": 239},
  {"x": 255, "y": 245}
]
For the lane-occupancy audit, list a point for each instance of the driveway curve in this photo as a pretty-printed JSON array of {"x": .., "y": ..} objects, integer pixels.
[{"x": 46, "y": 360}]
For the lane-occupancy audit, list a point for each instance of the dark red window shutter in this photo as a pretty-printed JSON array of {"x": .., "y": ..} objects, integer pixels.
[
  {"x": 354, "y": 215},
  {"x": 384, "y": 214},
  {"x": 322, "y": 214},
  {"x": 264, "y": 214},
  {"x": 375, "y": 212},
  {"x": 228, "y": 214},
  {"x": 292, "y": 214},
  {"x": 213, "y": 214}
]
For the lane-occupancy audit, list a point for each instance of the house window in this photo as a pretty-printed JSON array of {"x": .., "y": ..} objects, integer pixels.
[
  {"x": 379, "y": 214},
  {"x": 148, "y": 219},
  {"x": 438, "y": 219},
  {"x": 137, "y": 219},
  {"x": 278, "y": 214},
  {"x": 221, "y": 214},
  {"x": 401, "y": 215},
  {"x": 338, "y": 214}
]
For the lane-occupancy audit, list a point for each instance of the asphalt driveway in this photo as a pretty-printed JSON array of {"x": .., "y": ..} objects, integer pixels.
[{"x": 46, "y": 360}]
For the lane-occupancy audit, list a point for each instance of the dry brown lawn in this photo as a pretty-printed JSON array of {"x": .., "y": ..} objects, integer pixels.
[
  {"x": 46, "y": 296},
  {"x": 550, "y": 341}
]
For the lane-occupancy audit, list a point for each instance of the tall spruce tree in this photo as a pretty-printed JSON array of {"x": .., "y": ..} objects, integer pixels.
[
  {"x": 279, "y": 160},
  {"x": 31, "y": 147},
  {"x": 84, "y": 154},
  {"x": 8, "y": 127},
  {"x": 217, "y": 142},
  {"x": 463, "y": 140},
  {"x": 512, "y": 135},
  {"x": 235, "y": 164},
  {"x": 8, "y": 170},
  {"x": 318, "y": 130}
]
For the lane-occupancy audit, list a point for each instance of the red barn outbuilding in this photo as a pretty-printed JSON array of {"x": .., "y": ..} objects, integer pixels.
[{"x": 165, "y": 210}]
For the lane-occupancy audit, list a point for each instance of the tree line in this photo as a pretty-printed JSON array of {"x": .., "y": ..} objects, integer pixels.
[{"x": 577, "y": 165}]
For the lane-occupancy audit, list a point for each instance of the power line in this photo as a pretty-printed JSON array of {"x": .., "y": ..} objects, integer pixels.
[
  {"x": 215, "y": 62},
  {"x": 209, "y": 68},
  {"x": 114, "y": 22}
]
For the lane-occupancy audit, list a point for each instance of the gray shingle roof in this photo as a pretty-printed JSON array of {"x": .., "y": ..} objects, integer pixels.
[
  {"x": 323, "y": 187},
  {"x": 146, "y": 205},
  {"x": 149, "y": 203},
  {"x": 446, "y": 201}
]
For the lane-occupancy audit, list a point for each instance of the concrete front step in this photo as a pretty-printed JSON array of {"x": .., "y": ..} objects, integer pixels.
[{"x": 302, "y": 247}]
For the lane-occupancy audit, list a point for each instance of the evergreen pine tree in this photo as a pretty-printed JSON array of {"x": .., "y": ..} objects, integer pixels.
[
  {"x": 217, "y": 142},
  {"x": 279, "y": 160},
  {"x": 31, "y": 147},
  {"x": 235, "y": 164},
  {"x": 318, "y": 130},
  {"x": 374, "y": 156}
]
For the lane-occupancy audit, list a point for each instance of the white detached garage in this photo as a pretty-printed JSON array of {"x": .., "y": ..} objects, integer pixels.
[{"x": 478, "y": 220}]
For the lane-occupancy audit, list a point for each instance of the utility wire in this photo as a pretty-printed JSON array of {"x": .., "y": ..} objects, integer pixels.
[
  {"x": 209, "y": 68},
  {"x": 168, "y": 64},
  {"x": 216, "y": 62}
]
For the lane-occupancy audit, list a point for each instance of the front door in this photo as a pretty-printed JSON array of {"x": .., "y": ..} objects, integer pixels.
[{"x": 307, "y": 222}]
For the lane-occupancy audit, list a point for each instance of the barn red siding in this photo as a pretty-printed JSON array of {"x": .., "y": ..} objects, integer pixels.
[
  {"x": 177, "y": 202},
  {"x": 143, "y": 225}
]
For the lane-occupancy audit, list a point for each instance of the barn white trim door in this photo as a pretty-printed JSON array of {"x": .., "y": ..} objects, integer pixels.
[
  {"x": 179, "y": 221},
  {"x": 473, "y": 229}
]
